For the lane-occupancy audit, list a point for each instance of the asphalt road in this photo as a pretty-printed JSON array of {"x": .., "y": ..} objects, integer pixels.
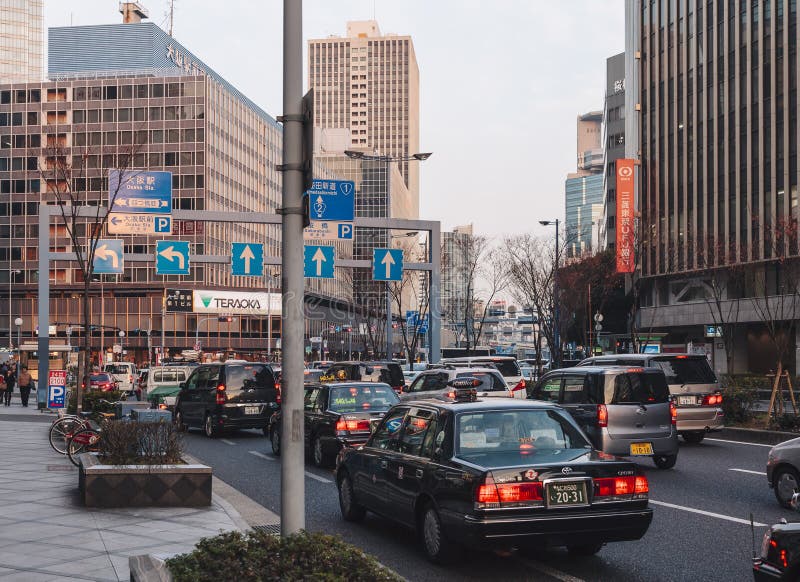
[{"x": 700, "y": 528}]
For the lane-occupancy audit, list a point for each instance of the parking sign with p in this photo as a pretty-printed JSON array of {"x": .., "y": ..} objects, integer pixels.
[{"x": 56, "y": 389}]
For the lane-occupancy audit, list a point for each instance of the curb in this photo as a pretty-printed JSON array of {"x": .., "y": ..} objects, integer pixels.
[{"x": 755, "y": 435}]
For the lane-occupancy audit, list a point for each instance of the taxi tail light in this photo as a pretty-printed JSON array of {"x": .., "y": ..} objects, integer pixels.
[
  {"x": 343, "y": 426},
  {"x": 221, "y": 396},
  {"x": 712, "y": 399},
  {"x": 673, "y": 412},
  {"x": 490, "y": 494},
  {"x": 278, "y": 395},
  {"x": 602, "y": 415},
  {"x": 520, "y": 386},
  {"x": 627, "y": 487}
]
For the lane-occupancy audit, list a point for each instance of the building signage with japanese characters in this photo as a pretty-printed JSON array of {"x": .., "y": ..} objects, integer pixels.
[{"x": 626, "y": 224}]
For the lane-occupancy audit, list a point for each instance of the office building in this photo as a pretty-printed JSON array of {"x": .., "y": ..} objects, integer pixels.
[
  {"x": 614, "y": 115},
  {"x": 718, "y": 174},
  {"x": 21, "y": 41},
  {"x": 456, "y": 296},
  {"x": 583, "y": 189},
  {"x": 154, "y": 102}
]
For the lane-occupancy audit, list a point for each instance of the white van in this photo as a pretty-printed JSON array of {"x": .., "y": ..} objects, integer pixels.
[{"x": 125, "y": 373}]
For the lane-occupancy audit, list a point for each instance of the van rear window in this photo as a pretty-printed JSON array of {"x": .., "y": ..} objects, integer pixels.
[
  {"x": 249, "y": 377},
  {"x": 640, "y": 389},
  {"x": 686, "y": 370}
]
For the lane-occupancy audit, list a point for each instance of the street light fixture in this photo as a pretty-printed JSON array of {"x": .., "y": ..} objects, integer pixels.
[
  {"x": 18, "y": 322},
  {"x": 12, "y": 273},
  {"x": 555, "y": 349},
  {"x": 419, "y": 157}
]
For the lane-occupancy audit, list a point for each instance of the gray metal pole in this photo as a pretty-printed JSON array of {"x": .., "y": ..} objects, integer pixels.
[
  {"x": 388, "y": 245},
  {"x": 163, "y": 325},
  {"x": 389, "y": 328},
  {"x": 293, "y": 495},
  {"x": 556, "y": 355},
  {"x": 44, "y": 303},
  {"x": 434, "y": 305}
]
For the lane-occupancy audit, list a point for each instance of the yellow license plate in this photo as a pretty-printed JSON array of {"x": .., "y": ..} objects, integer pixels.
[{"x": 641, "y": 448}]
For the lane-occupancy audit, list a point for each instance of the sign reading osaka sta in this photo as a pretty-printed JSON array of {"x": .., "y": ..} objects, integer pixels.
[{"x": 236, "y": 303}]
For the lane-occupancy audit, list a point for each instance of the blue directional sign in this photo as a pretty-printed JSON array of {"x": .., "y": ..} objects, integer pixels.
[
  {"x": 318, "y": 262},
  {"x": 140, "y": 192},
  {"x": 108, "y": 259},
  {"x": 332, "y": 200},
  {"x": 247, "y": 259},
  {"x": 387, "y": 264},
  {"x": 172, "y": 257}
]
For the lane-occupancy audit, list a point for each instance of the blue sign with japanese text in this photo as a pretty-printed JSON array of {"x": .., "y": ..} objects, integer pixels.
[
  {"x": 140, "y": 192},
  {"x": 332, "y": 200}
]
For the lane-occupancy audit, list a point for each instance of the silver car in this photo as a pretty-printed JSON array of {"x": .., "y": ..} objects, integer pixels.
[
  {"x": 624, "y": 411},
  {"x": 783, "y": 470},
  {"x": 437, "y": 383}
]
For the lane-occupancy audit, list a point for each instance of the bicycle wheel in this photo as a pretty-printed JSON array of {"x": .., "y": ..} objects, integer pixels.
[
  {"x": 62, "y": 430},
  {"x": 86, "y": 440}
]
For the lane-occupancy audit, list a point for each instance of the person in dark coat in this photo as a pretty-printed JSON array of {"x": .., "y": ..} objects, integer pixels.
[
  {"x": 11, "y": 376},
  {"x": 25, "y": 381}
]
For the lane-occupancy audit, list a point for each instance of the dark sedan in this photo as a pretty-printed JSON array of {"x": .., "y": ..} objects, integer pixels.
[
  {"x": 492, "y": 474},
  {"x": 337, "y": 415}
]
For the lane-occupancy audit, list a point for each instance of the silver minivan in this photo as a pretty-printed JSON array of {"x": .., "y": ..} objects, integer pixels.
[
  {"x": 691, "y": 382},
  {"x": 624, "y": 411}
]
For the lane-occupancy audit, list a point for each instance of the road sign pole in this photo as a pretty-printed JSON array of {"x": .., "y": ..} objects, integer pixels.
[{"x": 292, "y": 445}]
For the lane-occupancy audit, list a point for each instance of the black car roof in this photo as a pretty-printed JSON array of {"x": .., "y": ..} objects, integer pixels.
[
  {"x": 344, "y": 383},
  {"x": 479, "y": 405},
  {"x": 604, "y": 369}
]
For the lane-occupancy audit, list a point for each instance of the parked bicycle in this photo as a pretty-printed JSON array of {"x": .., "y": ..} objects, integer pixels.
[{"x": 67, "y": 425}]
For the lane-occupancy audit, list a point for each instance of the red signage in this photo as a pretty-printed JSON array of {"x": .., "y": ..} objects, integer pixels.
[{"x": 625, "y": 218}]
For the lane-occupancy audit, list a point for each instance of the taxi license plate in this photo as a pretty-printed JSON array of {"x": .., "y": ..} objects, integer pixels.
[
  {"x": 566, "y": 493},
  {"x": 641, "y": 448},
  {"x": 686, "y": 400},
  {"x": 251, "y": 409}
]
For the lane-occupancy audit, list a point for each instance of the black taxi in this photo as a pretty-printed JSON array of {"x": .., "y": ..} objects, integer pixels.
[
  {"x": 337, "y": 415},
  {"x": 494, "y": 474}
]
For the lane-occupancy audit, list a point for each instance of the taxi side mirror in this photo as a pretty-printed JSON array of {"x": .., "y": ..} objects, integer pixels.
[{"x": 182, "y": 385}]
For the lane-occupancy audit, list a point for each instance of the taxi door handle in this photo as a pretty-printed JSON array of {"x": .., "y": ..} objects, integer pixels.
[{"x": 384, "y": 464}]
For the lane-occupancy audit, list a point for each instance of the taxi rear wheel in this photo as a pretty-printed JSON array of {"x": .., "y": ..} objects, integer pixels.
[
  {"x": 665, "y": 461},
  {"x": 785, "y": 483},
  {"x": 585, "y": 549},
  {"x": 180, "y": 426},
  {"x": 320, "y": 457},
  {"x": 694, "y": 437},
  {"x": 275, "y": 441},
  {"x": 351, "y": 510},
  {"x": 437, "y": 547}
]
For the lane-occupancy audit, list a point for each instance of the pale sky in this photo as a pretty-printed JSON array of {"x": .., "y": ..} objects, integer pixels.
[{"x": 501, "y": 81}]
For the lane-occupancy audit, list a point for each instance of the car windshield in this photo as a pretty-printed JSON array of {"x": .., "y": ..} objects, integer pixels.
[
  {"x": 506, "y": 367},
  {"x": 376, "y": 397},
  {"x": 686, "y": 370},
  {"x": 111, "y": 369},
  {"x": 501, "y": 433},
  {"x": 638, "y": 388},
  {"x": 101, "y": 378}
]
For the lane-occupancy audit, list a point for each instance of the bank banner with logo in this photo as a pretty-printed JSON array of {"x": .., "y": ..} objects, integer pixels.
[
  {"x": 236, "y": 303},
  {"x": 626, "y": 229}
]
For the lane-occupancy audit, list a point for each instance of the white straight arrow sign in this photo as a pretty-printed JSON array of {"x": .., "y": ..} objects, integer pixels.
[
  {"x": 247, "y": 255},
  {"x": 319, "y": 258},
  {"x": 388, "y": 260}
]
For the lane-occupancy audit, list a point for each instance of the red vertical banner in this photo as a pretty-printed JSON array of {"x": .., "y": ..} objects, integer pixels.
[{"x": 626, "y": 251}]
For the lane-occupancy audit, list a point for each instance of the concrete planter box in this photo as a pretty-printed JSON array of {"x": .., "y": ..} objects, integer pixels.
[{"x": 143, "y": 485}]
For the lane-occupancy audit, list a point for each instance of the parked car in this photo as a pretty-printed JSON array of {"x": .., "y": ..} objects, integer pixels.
[
  {"x": 321, "y": 364},
  {"x": 783, "y": 470},
  {"x": 376, "y": 371},
  {"x": 779, "y": 558},
  {"x": 624, "y": 411},
  {"x": 229, "y": 395},
  {"x": 409, "y": 376},
  {"x": 125, "y": 373},
  {"x": 507, "y": 365},
  {"x": 164, "y": 384},
  {"x": 437, "y": 383},
  {"x": 102, "y": 381},
  {"x": 312, "y": 375},
  {"x": 337, "y": 415},
  {"x": 691, "y": 381},
  {"x": 492, "y": 474}
]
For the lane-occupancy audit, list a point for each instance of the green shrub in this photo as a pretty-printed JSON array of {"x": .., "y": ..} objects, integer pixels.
[
  {"x": 257, "y": 556},
  {"x": 90, "y": 401},
  {"x": 124, "y": 442},
  {"x": 738, "y": 397},
  {"x": 785, "y": 422}
]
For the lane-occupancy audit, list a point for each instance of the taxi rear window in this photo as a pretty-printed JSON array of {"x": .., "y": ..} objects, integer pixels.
[
  {"x": 360, "y": 398},
  {"x": 489, "y": 382}
]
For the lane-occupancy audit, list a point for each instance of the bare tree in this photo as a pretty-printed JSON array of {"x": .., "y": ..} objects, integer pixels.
[
  {"x": 493, "y": 281},
  {"x": 68, "y": 175}
]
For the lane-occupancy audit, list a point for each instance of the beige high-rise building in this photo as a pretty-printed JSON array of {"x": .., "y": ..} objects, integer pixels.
[
  {"x": 368, "y": 83},
  {"x": 21, "y": 41}
]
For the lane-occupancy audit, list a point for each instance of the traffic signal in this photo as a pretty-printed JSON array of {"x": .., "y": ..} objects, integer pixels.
[{"x": 225, "y": 319}]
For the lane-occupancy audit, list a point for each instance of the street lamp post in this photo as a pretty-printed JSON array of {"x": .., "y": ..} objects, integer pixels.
[
  {"x": 121, "y": 345},
  {"x": 18, "y": 322},
  {"x": 555, "y": 349},
  {"x": 271, "y": 277},
  {"x": 419, "y": 157},
  {"x": 12, "y": 273}
]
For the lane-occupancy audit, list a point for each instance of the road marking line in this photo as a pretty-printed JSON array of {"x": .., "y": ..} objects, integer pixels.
[
  {"x": 552, "y": 572},
  {"x": 739, "y": 443},
  {"x": 262, "y": 456},
  {"x": 708, "y": 513},
  {"x": 749, "y": 471},
  {"x": 227, "y": 442},
  {"x": 317, "y": 477}
]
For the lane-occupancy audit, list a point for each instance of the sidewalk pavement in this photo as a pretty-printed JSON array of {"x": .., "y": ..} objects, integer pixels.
[{"x": 46, "y": 534}]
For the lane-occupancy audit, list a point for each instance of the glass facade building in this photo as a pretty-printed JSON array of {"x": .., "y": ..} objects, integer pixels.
[{"x": 21, "y": 40}]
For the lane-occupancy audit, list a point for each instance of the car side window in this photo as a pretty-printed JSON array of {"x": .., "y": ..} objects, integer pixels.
[
  {"x": 415, "y": 428},
  {"x": 416, "y": 385},
  {"x": 202, "y": 379},
  {"x": 387, "y": 436},
  {"x": 191, "y": 383},
  {"x": 574, "y": 391},
  {"x": 310, "y": 400},
  {"x": 213, "y": 378},
  {"x": 435, "y": 382},
  {"x": 549, "y": 388},
  {"x": 322, "y": 399},
  {"x": 430, "y": 437}
]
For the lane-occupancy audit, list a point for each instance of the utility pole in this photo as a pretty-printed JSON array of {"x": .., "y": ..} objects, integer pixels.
[{"x": 292, "y": 316}]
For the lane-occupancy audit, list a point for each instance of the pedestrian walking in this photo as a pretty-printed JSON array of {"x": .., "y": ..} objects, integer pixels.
[
  {"x": 10, "y": 377},
  {"x": 2, "y": 386},
  {"x": 25, "y": 381}
]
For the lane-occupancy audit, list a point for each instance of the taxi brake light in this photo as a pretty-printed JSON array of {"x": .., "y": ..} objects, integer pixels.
[
  {"x": 627, "y": 486},
  {"x": 673, "y": 412},
  {"x": 451, "y": 394},
  {"x": 221, "y": 397},
  {"x": 784, "y": 561},
  {"x": 712, "y": 400},
  {"x": 681, "y": 357},
  {"x": 351, "y": 425},
  {"x": 635, "y": 370},
  {"x": 641, "y": 485},
  {"x": 520, "y": 386},
  {"x": 602, "y": 415}
]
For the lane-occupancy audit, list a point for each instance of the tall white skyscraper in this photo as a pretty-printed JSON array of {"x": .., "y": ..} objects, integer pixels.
[{"x": 21, "y": 40}]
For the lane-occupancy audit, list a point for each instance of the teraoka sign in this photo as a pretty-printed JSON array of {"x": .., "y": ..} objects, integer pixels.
[{"x": 236, "y": 303}]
